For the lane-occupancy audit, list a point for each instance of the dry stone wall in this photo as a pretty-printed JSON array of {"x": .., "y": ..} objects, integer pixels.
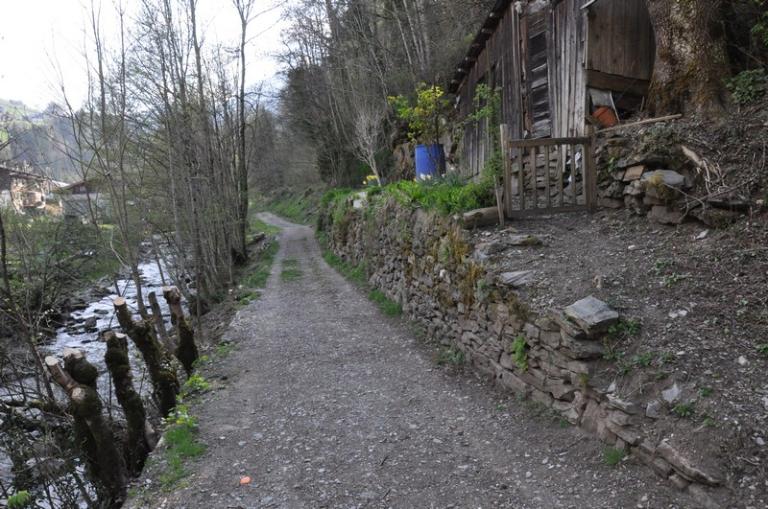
[{"x": 427, "y": 263}]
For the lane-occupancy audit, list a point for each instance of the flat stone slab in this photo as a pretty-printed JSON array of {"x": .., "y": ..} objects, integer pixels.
[
  {"x": 517, "y": 278},
  {"x": 668, "y": 177},
  {"x": 592, "y": 315}
]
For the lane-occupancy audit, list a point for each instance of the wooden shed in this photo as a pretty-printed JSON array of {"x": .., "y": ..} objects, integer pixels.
[{"x": 555, "y": 63}]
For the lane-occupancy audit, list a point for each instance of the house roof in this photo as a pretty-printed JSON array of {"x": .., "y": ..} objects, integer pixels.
[
  {"x": 478, "y": 43},
  {"x": 21, "y": 174}
]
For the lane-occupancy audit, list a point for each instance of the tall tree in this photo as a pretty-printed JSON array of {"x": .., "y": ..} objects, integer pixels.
[{"x": 691, "y": 55}]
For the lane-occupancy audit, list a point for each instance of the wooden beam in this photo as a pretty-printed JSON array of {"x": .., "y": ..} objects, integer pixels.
[
  {"x": 616, "y": 83},
  {"x": 641, "y": 122},
  {"x": 542, "y": 142}
]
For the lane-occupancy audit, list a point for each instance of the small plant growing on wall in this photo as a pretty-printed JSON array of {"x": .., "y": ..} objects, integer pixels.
[{"x": 519, "y": 353}]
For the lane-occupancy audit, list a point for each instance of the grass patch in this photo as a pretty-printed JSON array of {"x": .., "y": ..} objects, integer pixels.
[
  {"x": 290, "y": 274},
  {"x": 357, "y": 274},
  {"x": 224, "y": 349},
  {"x": 262, "y": 269},
  {"x": 259, "y": 226},
  {"x": 387, "y": 306},
  {"x": 683, "y": 410},
  {"x": 181, "y": 445},
  {"x": 613, "y": 456},
  {"x": 296, "y": 207}
]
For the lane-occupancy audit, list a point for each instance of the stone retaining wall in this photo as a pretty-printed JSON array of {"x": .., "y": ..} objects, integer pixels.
[{"x": 427, "y": 263}]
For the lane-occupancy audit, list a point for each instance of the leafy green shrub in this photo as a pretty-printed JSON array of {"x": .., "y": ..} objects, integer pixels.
[
  {"x": 19, "y": 500},
  {"x": 425, "y": 116},
  {"x": 748, "y": 86},
  {"x": 195, "y": 383},
  {"x": 446, "y": 195}
]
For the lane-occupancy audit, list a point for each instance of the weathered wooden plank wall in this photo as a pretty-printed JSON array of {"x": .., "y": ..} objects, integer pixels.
[
  {"x": 543, "y": 57},
  {"x": 620, "y": 39}
]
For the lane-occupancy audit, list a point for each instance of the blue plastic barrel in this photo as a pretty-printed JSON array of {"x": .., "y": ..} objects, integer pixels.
[{"x": 430, "y": 161}]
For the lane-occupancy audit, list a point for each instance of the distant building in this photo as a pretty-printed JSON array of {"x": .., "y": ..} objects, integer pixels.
[
  {"x": 24, "y": 191},
  {"x": 83, "y": 200}
]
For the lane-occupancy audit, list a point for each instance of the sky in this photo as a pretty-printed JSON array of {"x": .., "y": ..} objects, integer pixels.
[{"x": 41, "y": 44}]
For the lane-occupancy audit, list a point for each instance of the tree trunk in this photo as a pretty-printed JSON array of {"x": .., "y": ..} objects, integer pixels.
[
  {"x": 161, "y": 372},
  {"x": 186, "y": 351},
  {"x": 93, "y": 434},
  {"x": 691, "y": 58},
  {"x": 137, "y": 444}
]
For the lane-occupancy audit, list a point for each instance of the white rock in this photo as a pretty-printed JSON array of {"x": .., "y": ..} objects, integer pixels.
[
  {"x": 742, "y": 360},
  {"x": 672, "y": 394}
]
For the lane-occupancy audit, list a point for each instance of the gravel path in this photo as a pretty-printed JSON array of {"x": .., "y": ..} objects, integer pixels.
[{"x": 324, "y": 402}]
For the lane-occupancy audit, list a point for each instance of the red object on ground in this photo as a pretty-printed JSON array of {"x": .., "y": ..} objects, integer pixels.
[{"x": 605, "y": 116}]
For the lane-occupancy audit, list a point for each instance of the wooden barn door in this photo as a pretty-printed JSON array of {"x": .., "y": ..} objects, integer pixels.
[{"x": 534, "y": 48}]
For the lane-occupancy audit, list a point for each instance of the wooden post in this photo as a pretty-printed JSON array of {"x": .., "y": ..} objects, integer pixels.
[
  {"x": 186, "y": 351},
  {"x": 499, "y": 192},
  {"x": 534, "y": 179},
  {"x": 546, "y": 176},
  {"x": 161, "y": 372},
  {"x": 507, "y": 158},
  {"x": 590, "y": 176},
  {"x": 521, "y": 177}
]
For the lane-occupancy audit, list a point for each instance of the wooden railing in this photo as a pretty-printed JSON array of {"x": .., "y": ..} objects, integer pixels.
[{"x": 548, "y": 175}]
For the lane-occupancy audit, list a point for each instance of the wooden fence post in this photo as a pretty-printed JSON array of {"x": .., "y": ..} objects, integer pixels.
[
  {"x": 590, "y": 175},
  {"x": 506, "y": 157}
]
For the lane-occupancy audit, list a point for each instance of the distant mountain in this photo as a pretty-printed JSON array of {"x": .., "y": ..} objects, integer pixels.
[{"x": 37, "y": 138}]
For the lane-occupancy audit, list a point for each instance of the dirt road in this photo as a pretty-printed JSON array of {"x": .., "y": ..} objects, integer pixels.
[{"x": 325, "y": 402}]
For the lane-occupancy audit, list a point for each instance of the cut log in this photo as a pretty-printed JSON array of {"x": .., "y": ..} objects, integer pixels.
[
  {"x": 137, "y": 443},
  {"x": 161, "y": 372},
  {"x": 480, "y": 217},
  {"x": 186, "y": 351}
]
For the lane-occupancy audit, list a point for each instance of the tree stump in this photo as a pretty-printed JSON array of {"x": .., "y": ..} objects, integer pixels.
[
  {"x": 165, "y": 384},
  {"x": 157, "y": 317},
  {"x": 186, "y": 351},
  {"x": 93, "y": 435},
  {"x": 137, "y": 443}
]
